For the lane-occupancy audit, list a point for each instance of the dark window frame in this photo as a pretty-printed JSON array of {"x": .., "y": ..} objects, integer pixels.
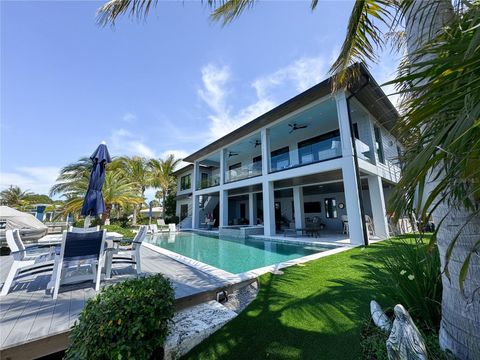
[
  {"x": 379, "y": 144},
  {"x": 314, "y": 140},
  {"x": 235, "y": 166},
  {"x": 185, "y": 182},
  {"x": 331, "y": 208},
  {"x": 282, "y": 151}
]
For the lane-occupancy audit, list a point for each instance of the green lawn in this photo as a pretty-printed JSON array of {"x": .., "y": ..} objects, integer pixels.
[{"x": 310, "y": 312}]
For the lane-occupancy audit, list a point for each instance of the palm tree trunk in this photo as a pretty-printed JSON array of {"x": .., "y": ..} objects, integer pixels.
[
  {"x": 164, "y": 198},
  {"x": 135, "y": 212},
  {"x": 460, "y": 324}
]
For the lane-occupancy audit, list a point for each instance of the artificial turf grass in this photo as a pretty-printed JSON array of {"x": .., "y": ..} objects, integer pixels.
[{"x": 310, "y": 312}]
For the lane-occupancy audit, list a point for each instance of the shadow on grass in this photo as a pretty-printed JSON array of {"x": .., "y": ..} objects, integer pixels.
[{"x": 311, "y": 312}]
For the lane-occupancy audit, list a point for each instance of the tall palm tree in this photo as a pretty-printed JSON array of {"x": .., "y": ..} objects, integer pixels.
[
  {"x": 14, "y": 196},
  {"x": 440, "y": 116},
  {"x": 161, "y": 176},
  {"x": 137, "y": 170}
]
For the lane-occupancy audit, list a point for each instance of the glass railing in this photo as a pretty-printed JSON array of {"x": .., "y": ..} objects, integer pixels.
[
  {"x": 312, "y": 153},
  {"x": 363, "y": 150},
  {"x": 212, "y": 180},
  {"x": 243, "y": 172}
]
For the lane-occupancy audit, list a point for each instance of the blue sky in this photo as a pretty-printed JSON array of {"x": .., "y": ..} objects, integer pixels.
[{"x": 170, "y": 84}]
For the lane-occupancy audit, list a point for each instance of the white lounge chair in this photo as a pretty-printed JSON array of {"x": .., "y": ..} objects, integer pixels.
[
  {"x": 129, "y": 254},
  {"x": 152, "y": 229},
  {"x": 172, "y": 227},
  {"x": 23, "y": 262},
  {"x": 79, "y": 249},
  {"x": 162, "y": 225}
]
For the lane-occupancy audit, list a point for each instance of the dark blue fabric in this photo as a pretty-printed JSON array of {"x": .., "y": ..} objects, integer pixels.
[
  {"x": 83, "y": 245},
  {"x": 93, "y": 203}
]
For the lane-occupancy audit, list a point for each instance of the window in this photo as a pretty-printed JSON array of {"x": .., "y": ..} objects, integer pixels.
[
  {"x": 319, "y": 148},
  {"x": 183, "y": 211},
  {"x": 280, "y": 159},
  {"x": 257, "y": 163},
  {"x": 312, "y": 207},
  {"x": 331, "y": 208},
  {"x": 379, "y": 144},
  {"x": 185, "y": 182}
]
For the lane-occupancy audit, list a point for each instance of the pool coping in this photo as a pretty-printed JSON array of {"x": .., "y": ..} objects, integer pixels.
[{"x": 231, "y": 278}]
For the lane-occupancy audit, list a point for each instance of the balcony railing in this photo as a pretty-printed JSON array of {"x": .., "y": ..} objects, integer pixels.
[
  {"x": 212, "y": 180},
  {"x": 312, "y": 153},
  {"x": 243, "y": 172}
]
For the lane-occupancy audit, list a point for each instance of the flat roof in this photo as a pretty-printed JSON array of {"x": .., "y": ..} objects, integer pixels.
[{"x": 371, "y": 96}]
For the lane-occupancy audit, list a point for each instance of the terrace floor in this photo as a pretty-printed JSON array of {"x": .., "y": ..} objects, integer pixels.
[{"x": 29, "y": 315}]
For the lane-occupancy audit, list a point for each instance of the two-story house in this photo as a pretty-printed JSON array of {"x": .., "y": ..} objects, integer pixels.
[{"x": 321, "y": 157}]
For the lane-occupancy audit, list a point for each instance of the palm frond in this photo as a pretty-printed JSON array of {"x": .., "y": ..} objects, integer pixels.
[
  {"x": 364, "y": 37},
  {"x": 111, "y": 10}
]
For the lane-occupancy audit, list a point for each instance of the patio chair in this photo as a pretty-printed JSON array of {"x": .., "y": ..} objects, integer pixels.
[
  {"x": 83, "y": 230},
  {"x": 129, "y": 254},
  {"x": 24, "y": 263},
  {"x": 161, "y": 224},
  {"x": 172, "y": 227},
  {"x": 369, "y": 225},
  {"x": 345, "y": 223},
  {"x": 152, "y": 229},
  {"x": 84, "y": 249}
]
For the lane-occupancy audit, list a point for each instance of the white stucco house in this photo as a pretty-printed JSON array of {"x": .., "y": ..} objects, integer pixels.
[{"x": 319, "y": 158}]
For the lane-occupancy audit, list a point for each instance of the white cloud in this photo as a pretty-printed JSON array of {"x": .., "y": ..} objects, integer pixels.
[
  {"x": 124, "y": 142},
  {"x": 129, "y": 117},
  {"x": 269, "y": 89},
  {"x": 38, "y": 179},
  {"x": 179, "y": 154}
]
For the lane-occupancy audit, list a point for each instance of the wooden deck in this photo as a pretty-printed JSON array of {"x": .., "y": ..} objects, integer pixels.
[{"x": 33, "y": 324}]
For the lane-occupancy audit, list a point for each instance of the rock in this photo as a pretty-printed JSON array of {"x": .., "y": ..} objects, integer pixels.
[
  {"x": 379, "y": 318},
  {"x": 405, "y": 341}
]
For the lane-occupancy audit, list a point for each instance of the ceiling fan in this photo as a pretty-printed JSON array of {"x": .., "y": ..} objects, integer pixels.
[
  {"x": 296, "y": 126},
  {"x": 256, "y": 142},
  {"x": 232, "y": 153}
]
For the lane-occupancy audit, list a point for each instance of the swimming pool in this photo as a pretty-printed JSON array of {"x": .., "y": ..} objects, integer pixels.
[{"x": 232, "y": 255}]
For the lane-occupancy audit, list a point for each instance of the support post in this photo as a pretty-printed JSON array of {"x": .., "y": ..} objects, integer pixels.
[
  {"x": 195, "y": 212},
  {"x": 251, "y": 209},
  {"x": 379, "y": 211},
  {"x": 265, "y": 140},
  {"x": 298, "y": 207},
  {"x": 352, "y": 201},
  {"x": 223, "y": 208},
  {"x": 268, "y": 208}
]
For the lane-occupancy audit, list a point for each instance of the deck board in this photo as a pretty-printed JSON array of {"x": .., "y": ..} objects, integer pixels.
[{"x": 28, "y": 313}]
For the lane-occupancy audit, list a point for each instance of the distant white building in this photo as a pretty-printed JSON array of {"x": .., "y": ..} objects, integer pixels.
[{"x": 296, "y": 165}]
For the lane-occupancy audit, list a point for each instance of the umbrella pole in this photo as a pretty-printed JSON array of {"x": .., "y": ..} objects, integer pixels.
[{"x": 86, "y": 223}]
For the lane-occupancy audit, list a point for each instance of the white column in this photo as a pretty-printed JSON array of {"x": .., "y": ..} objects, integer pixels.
[
  {"x": 268, "y": 208},
  {"x": 223, "y": 208},
  {"x": 251, "y": 209},
  {"x": 195, "y": 211},
  {"x": 265, "y": 139},
  {"x": 344, "y": 124},
  {"x": 293, "y": 154},
  {"x": 352, "y": 200},
  {"x": 196, "y": 175},
  {"x": 377, "y": 201},
  {"x": 223, "y": 167},
  {"x": 298, "y": 207}
]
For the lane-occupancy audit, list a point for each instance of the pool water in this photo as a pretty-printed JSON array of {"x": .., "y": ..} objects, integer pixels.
[{"x": 232, "y": 255}]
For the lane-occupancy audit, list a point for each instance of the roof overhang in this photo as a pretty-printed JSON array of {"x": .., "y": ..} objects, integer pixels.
[{"x": 371, "y": 96}]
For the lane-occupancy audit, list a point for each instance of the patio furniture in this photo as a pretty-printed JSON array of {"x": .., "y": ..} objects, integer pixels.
[
  {"x": 162, "y": 225},
  {"x": 345, "y": 223},
  {"x": 211, "y": 224},
  {"x": 78, "y": 250},
  {"x": 172, "y": 227},
  {"x": 56, "y": 239},
  {"x": 84, "y": 230},
  {"x": 152, "y": 229},
  {"x": 129, "y": 254},
  {"x": 23, "y": 262},
  {"x": 369, "y": 225}
]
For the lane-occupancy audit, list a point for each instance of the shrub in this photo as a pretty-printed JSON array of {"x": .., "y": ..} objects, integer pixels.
[
  {"x": 127, "y": 233},
  {"x": 411, "y": 277},
  {"x": 124, "y": 321},
  {"x": 123, "y": 221},
  {"x": 172, "y": 219},
  {"x": 373, "y": 342}
]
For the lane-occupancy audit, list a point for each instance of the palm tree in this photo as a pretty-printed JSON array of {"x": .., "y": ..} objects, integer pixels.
[
  {"x": 14, "y": 196},
  {"x": 117, "y": 190},
  {"x": 162, "y": 177},
  {"x": 137, "y": 170},
  {"x": 440, "y": 84}
]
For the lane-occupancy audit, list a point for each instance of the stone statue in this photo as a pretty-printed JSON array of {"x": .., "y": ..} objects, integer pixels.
[
  {"x": 379, "y": 318},
  {"x": 405, "y": 341}
]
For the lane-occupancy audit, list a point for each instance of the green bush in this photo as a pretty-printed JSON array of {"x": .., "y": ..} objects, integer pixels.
[
  {"x": 411, "y": 277},
  {"x": 123, "y": 221},
  {"x": 129, "y": 320},
  {"x": 93, "y": 222},
  {"x": 374, "y": 344},
  {"x": 127, "y": 233}
]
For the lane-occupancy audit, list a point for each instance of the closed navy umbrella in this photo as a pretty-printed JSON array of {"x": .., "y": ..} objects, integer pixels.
[{"x": 93, "y": 203}]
